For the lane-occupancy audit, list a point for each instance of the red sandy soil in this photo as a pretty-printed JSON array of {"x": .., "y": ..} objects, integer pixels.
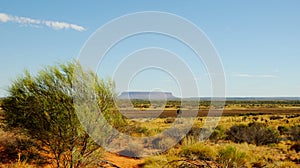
[{"x": 121, "y": 161}]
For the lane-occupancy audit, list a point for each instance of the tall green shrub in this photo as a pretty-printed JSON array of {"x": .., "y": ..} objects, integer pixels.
[{"x": 42, "y": 107}]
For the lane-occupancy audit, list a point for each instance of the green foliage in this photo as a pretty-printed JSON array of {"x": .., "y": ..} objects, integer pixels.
[
  {"x": 168, "y": 160},
  {"x": 42, "y": 107},
  {"x": 197, "y": 151},
  {"x": 231, "y": 157},
  {"x": 218, "y": 134},
  {"x": 142, "y": 130},
  {"x": 255, "y": 133},
  {"x": 283, "y": 130}
]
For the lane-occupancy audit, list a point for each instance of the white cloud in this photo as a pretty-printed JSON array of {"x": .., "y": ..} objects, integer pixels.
[
  {"x": 23, "y": 20},
  {"x": 245, "y": 75},
  {"x": 38, "y": 23},
  {"x": 4, "y": 17},
  {"x": 63, "y": 25}
]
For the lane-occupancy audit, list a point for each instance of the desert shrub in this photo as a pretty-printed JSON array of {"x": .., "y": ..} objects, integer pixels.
[
  {"x": 168, "y": 160},
  {"x": 197, "y": 151},
  {"x": 293, "y": 116},
  {"x": 43, "y": 108},
  {"x": 237, "y": 133},
  {"x": 176, "y": 133},
  {"x": 189, "y": 140},
  {"x": 296, "y": 147},
  {"x": 155, "y": 162},
  {"x": 163, "y": 142},
  {"x": 218, "y": 134},
  {"x": 142, "y": 130},
  {"x": 283, "y": 130},
  {"x": 256, "y": 133},
  {"x": 295, "y": 133},
  {"x": 231, "y": 157},
  {"x": 18, "y": 147},
  {"x": 276, "y": 117},
  {"x": 200, "y": 133},
  {"x": 194, "y": 131},
  {"x": 261, "y": 135}
]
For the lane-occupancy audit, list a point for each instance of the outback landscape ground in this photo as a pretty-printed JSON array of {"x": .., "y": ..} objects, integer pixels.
[{"x": 249, "y": 134}]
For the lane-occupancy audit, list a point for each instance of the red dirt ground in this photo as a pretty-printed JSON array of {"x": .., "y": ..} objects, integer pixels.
[{"x": 121, "y": 161}]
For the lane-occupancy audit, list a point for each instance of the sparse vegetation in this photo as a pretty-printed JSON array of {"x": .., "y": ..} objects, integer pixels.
[
  {"x": 256, "y": 133},
  {"x": 295, "y": 133},
  {"x": 197, "y": 151},
  {"x": 248, "y": 134},
  {"x": 231, "y": 157}
]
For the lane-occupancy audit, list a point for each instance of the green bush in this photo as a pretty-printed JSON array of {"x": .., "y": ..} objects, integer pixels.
[
  {"x": 255, "y": 133},
  {"x": 142, "y": 130},
  {"x": 42, "y": 107},
  {"x": 197, "y": 151},
  {"x": 283, "y": 130},
  {"x": 218, "y": 134},
  {"x": 231, "y": 157},
  {"x": 168, "y": 160}
]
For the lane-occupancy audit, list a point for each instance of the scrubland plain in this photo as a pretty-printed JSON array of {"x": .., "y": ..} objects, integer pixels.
[{"x": 249, "y": 134}]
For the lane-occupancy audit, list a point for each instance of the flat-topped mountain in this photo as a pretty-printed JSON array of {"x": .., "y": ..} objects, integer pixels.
[{"x": 147, "y": 95}]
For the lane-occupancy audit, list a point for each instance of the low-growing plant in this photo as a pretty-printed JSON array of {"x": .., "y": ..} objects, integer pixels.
[
  {"x": 283, "y": 130},
  {"x": 218, "y": 134},
  {"x": 284, "y": 164},
  {"x": 197, "y": 151},
  {"x": 163, "y": 143},
  {"x": 142, "y": 130},
  {"x": 293, "y": 116},
  {"x": 276, "y": 117},
  {"x": 237, "y": 133},
  {"x": 296, "y": 147},
  {"x": 189, "y": 140},
  {"x": 231, "y": 157},
  {"x": 255, "y": 133},
  {"x": 19, "y": 147},
  {"x": 167, "y": 160},
  {"x": 295, "y": 133}
]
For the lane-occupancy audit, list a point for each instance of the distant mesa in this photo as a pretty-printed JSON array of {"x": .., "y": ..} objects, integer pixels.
[{"x": 147, "y": 95}]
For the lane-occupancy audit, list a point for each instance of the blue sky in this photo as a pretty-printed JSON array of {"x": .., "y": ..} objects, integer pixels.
[{"x": 257, "y": 41}]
